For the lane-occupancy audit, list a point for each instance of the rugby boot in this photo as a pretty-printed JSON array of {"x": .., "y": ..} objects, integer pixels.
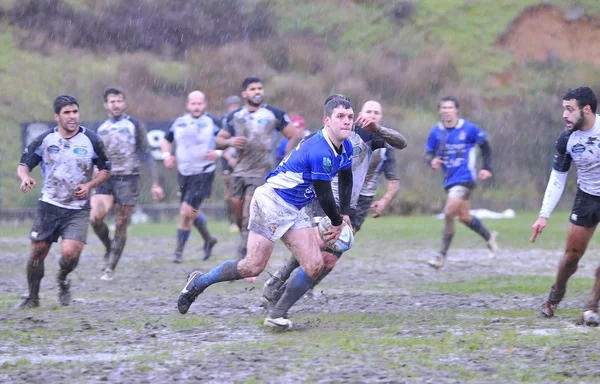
[{"x": 189, "y": 293}]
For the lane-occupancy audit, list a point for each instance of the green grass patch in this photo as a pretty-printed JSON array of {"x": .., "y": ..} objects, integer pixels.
[{"x": 499, "y": 285}]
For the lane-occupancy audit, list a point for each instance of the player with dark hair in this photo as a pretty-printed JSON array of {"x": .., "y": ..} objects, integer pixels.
[
  {"x": 68, "y": 153},
  {"x": 579, "y": 144},
  {"x": 249, "y": 130},
  {"x": 451, "y": 147},
  {"x": 127, "y": 147},
  {"x": 368, "y": 136},
  {"x": 195, "y": 155},
  {"x": 277, "y": 211}
]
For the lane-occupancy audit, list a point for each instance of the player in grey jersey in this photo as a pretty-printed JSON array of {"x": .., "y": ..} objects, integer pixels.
[
  {"x": 127, "y": 147},
  {"x": 68, "y": 154},
  {"x": 250, "y": 131},
  {"x": 367, "y": 136},
  {"x": 579, "y": 143},
  {"x": 194, "y": 135}
]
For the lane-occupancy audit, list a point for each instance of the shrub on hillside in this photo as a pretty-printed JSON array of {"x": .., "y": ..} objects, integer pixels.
[{"x": 168, "y": 26}]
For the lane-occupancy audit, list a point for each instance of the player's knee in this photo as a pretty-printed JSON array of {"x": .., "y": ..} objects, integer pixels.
[
  {"x": 250, "y": 268},
  {"x": 315, "y": 267},
  {"x": 71, "y": 251},
  {"x": 465, "y": 219}
]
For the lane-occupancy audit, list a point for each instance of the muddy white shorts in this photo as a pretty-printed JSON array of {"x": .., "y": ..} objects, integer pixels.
[{"x": 272, "y": 217}]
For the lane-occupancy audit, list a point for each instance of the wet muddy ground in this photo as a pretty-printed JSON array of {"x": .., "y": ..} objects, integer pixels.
[{"x": 381, "y": 316}]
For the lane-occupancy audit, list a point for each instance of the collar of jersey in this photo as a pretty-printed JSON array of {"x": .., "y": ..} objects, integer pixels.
[
  {"x": 81, "y": 129},
  {"x": 114, "y": 120},
  {"x": 324, "y": 133},
  {"x": 459, "y": 124}
]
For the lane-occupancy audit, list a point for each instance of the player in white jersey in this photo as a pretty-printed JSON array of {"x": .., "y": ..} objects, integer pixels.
[
  {"x": 127, "y": 148},
  {"x": 250, "y": 131},
  {"x": 278, "y": 212},
  {"x": 579, "y": 143},
  {"x": 68, "y": 154},
  {"x": 368, "y": 136},
  {"x": 194, "y": 135}
]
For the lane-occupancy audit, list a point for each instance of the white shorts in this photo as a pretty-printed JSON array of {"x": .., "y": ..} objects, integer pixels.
[
  {"x": 460, "y": 192},
  {"x": 272, "y": 217}
]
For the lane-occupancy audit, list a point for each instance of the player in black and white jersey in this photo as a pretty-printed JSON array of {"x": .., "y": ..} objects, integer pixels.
[
  {"x": 194, "y": 135},
  {"x": 127, "y": 148},
  {"x": 367, "y": 136},
  {"x": 68, "y": 153},
  {"x": 250, "y": 131},
  {"x": 579, "y": 143}
]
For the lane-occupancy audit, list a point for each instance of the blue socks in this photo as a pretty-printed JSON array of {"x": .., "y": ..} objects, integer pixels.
[
  {"x": 224, "y": 272},
  {"x": 294, "y": 290},
  {"x": 182, "y": 238}
]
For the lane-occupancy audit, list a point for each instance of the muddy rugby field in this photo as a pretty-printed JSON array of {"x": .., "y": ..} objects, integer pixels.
[{"x": 382, "y": 316}]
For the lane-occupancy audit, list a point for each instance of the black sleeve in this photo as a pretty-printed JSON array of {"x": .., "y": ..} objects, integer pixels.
[
  {"x": 227, "y": 124},
  {"x": 100, "y": 159},
  {"x": 372, "y": 140},
  {"x": 486, "y": 154},
  {"x": 327, "y": 201},
  {"x": 170, "y": 136},
  {"x": 562, "y": 160},
  {"x": 217, "y": 122},
  {"x": 428, "y": 157},
  {"x": 143, "y": 148},
  {"x": 345, "y": 181},
  {"x": 389, "y": 165},
  {"x": 281, "y": 116},
  {"x": 32, "y": 154}
]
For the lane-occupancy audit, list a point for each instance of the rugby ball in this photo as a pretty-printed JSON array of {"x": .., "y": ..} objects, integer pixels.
[{"x": 344, "y": 242}]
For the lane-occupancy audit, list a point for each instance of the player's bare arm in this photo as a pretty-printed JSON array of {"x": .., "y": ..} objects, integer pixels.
[
  {"x": 27, "y": 182},
  {"x": 293, "y": 135},
  {"x": 82, "y": 191},
  {"x": 390, "y": 136},
  {"x": 380, "y": 205},
  {"x": 168, "y": 157},
  {"x": 224, "y": 140}
]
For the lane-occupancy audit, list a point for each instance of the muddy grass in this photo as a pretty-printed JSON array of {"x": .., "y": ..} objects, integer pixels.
[{"x": 381, "y": 316}]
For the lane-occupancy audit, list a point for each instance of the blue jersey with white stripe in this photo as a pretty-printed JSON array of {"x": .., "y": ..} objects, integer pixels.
[
  {"x": 315, "y": 158},
  {"x": 456, "y": 147}
]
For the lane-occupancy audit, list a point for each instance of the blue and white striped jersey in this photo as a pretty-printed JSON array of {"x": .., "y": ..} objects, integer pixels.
[{"x": 315, "y": 158}]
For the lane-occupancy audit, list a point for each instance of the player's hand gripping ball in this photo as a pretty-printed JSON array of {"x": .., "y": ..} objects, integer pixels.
[{"x": 344, "y": 242}]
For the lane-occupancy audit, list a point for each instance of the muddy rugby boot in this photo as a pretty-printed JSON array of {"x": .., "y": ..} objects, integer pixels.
[
  {"x": 591, "y": 318},
  {"x": 208, "y": 246},
  {"x": 64, "y": 292},
  {"x": 28, "y": 303},
  {"x": 280, "y": 323},
  {"x": 178, "y": 257},
  {"x": 438, "y": 261},
  {"x": 108, "y": 275},
  {"x": 492, "y": 243},
  {"x": 189, "y": 293},
  {"x": 549, "y": 305},
  {"x": 547, "y": 309},
  {"x": 273, "y": 289}
]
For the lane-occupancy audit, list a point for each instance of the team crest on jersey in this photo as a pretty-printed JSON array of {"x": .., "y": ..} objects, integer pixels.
[
  {"x": 53, "y": 149},
  {"x": 578, "y": 148},
  {"x": 80, "y": 151},
  {"x": 356, "y": 151},
  {"x": 462, "y": 135},
  {"x": 326, "y": 162}
]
